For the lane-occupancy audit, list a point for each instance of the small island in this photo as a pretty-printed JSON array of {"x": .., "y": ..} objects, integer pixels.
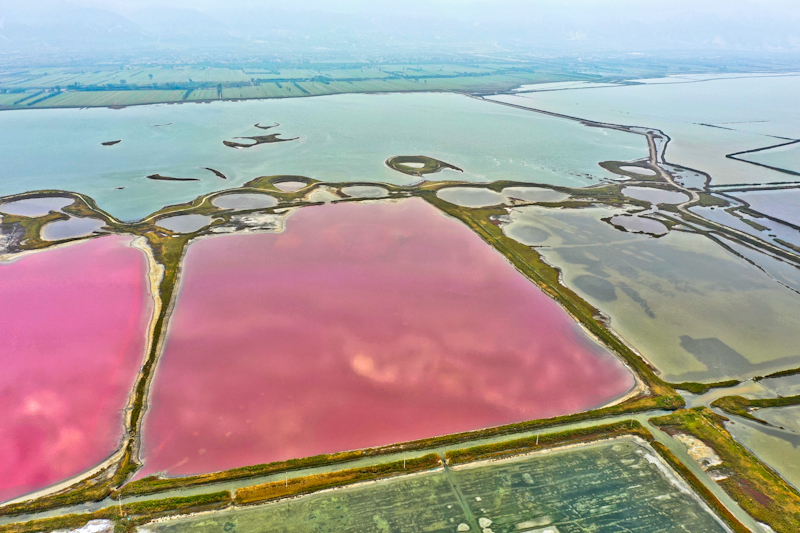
[
  {"x": 159, "y": 177},
  {"x": 417, "y": 165},
  {"x": 257, "y": 139}
]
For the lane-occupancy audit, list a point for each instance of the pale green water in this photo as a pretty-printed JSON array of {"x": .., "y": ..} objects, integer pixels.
[
  {"x": 342, "y": 138},
  {"x": 777, "y": 448},
  {"x": 751, "y": 109},
  {"x": 785, "y": 417},
  {"x": 696, "y": 311}
]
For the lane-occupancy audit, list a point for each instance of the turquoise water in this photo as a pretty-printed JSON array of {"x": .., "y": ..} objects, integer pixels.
[
  {"x": 342, "y": 138},
  {"x": 785, "y": 157},
  {"x": 706, "y": 120}
]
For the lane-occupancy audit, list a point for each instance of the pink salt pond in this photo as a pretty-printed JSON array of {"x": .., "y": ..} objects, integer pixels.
[
  {"x": 360, "y": 325},
  {"x": 74, "y": 331}
]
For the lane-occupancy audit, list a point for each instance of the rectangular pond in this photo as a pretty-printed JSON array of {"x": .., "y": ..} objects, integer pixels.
[
  {"x": 606, "y": 487},
  {"x": 362, "y": 324},
  {"x": 75, "y": 321},
  {"x": 782, "y": 204},
  {"x": 341, "y": 138},
  {"x": 694, "y": 310}
]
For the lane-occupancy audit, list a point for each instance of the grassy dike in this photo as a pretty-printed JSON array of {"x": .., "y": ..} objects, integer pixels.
[
  {"x": 128, "y": 516},
  {"x": 305, "y": 485},
  {"x": 741, "y": 406},
  {"x": 762, "y": 493},
  {"x": 702, "y": 388},
  {"x": 499, "y": 450}
]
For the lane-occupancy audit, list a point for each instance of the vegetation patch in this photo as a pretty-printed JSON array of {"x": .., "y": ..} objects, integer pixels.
[
  {"x": 159, "y": 177},
  {"x": 217, "y": 173},
  {"x": 741, "y": 406},
  {"x": 257, "y": 139},
  {"x": 418, "y": 165},
  {"x": 755, "y": 487},
  {"x": 550, "y": 440},
  {"x": 304, "y": 485},
  {"x": 702, "y": 388},
  {"x": 699, "y": 487},
  {"x": 615, "y": 167}
]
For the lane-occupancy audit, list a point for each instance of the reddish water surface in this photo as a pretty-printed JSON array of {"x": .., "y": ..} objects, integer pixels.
[
  {"x": 74, "y": 324},
  {"x": 360, "y": 325}
]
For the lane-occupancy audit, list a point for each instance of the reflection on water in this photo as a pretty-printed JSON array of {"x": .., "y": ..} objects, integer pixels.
[
  {"x": 361, "y": 324},
  {"x": 787, "y": 418},
  {"x": 696, "y": 311},
  {"x": 785, "y": 386},
  {"x": 77, "y": 317},
  {"x": 777, "y": 448}
]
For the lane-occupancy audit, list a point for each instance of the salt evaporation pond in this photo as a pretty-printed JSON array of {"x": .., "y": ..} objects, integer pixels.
[
  {"x": 655, "y": 196},
  {"x": 70, "y": 229},
  {"x": 359, "y": 325},
  {"x": 471, "y": 196},
  {"x": 694, "y": 310},
  {"x": 75, "y": 321},
  {"x": 782, "y": 204},
  {"x": 365, "y": 191},
  {"x": 636, "y": 224},
  {"x": 244, "y": 201},
  {"x": 535, "y": 194},
  {"x": 290, "y": 186},
  {"x": 184, "y": 223},
  {"x": 35, "y": 207}
]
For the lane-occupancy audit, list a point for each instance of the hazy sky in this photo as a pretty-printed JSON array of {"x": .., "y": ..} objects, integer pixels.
[{"x": 394, "y": 26}]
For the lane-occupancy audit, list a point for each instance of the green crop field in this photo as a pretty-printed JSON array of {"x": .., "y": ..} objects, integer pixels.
[{"x": 603, "y": 487}]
